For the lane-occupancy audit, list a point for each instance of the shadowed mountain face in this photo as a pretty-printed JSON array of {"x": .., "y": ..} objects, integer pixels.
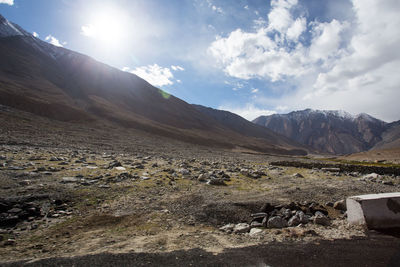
[
  {"x": 334, "y": 132},
  {"x": 390, "y": 137},
  {"x": 238, "y": 124},
  {"x": 60, "y": 84}
]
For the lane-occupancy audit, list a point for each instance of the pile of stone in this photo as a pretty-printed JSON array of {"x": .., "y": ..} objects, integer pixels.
[
  {"x": 13, "y": 212},
  {"x": 30, "y": 208},
  {"x": 255, "y": 174},
  {"x": 214, "y": 177},
  {"x": 290, "y": 215},
  {"x": 375, "y": 178},
  {"x": 281, "y": 216}
]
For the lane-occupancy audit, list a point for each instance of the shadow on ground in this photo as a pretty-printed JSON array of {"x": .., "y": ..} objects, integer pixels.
[{"x": 376, "y": 250}]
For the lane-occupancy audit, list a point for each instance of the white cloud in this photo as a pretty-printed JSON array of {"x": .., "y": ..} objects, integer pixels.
[
  {"x": 177, "y": 68},
  {"x": 350, "y": 65},
  {"x": 249, "y": 111},
  {"x": 280, "y": 18},
  {"x": 326, "y": 39},
  {"x": 296, "y": 29},
  {"x": 214, "y": 7},
  {"x": 35, "y": 34},
  {"x": 54, "y": 41},
  {"x": 255, "y": 90},
  {"x": 265, "y": 53},
  {"x": 7, "y": 2},
  {"x": 154, "y": 74},
  {"x": 246, "y": 7},
  {"x": 89, "y": 30}
]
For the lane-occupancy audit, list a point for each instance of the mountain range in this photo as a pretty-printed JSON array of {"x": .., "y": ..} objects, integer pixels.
[
  {"x": 64, "y": 85},
  {"x": 335, "y": 132}
]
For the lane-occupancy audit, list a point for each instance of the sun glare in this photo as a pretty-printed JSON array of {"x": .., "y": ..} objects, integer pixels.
[{"x": 107, "y": 27}]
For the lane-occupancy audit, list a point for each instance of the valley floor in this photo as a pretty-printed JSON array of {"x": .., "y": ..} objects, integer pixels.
[{"x": 67, "y": 198}]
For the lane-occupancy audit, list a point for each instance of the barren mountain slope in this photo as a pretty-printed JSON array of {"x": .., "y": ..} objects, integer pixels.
[
  {"x": 64, "y": 85},
  {"x": 334, "y": 132}
]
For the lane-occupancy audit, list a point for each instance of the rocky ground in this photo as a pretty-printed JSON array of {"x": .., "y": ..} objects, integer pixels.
[
  {"x": 73, "y": 202},
  {"x": 70, "y": 190}
]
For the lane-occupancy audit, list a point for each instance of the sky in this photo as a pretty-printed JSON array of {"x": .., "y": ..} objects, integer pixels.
[{"x": 250, "y": 57}]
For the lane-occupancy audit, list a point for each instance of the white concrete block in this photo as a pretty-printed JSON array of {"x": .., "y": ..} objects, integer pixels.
[{"x": 376, "y": 211}]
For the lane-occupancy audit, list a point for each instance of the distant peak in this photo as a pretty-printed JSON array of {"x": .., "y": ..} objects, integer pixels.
[
  {"x": 336, "y": 113},
  {"x": 365, "y": 116}
]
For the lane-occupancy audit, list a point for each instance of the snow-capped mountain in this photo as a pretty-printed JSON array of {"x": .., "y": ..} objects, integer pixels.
[
  {"x": 331, "y": 131},
  {"x": 9, "y": 29}
]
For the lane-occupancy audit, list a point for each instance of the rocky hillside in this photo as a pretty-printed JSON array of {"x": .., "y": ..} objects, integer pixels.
[
  {"x": 238, "y": 124},
  {"x": 334, "y": 132},
  {"x": 390, "y": 137},
  {"x": 64, "y": 85}
]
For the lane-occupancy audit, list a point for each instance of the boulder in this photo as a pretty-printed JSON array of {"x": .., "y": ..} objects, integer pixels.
[
  {"x": 241, "y": 228},
  {"x": 294, "y": 221},
  {"x": 370, "y": 176},
  {"x": 321, "y": 219},
  {"x": 216, "y": 181},
  {"x": 340, "y": 205},
  {"x": 67, "y": 180},
  {"x": 276, "y": 222},
  {"x": 203, "y": 177},
  {"x": 255, "y": 231},
  {"x": 227, "y": 228},
  {"x": 297, "y": 175}
]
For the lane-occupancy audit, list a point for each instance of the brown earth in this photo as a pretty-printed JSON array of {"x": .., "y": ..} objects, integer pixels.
[{"x": 171, "y": 213}]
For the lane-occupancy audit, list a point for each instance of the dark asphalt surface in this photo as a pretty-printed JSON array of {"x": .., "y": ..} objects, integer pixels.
[{"x": 375, "y": 250}]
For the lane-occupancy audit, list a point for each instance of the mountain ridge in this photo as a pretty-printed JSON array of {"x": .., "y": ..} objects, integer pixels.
[
  {"x": 61, "y": 84},
  {"x": 328, "y": 131}
]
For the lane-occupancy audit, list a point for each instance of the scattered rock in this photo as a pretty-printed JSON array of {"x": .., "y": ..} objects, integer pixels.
[
  {"x": 9, "y": 242},
  {"x": 387, "y": 182},
  {"x": 67, "y": 180},
  {"x": 321, "y": 219},
  {"x": 25, "y": 182},
  {"x": 255, "y": 231},
  {"x": 184, "y": 171},
  {"x": 120, "y": 168},
  {"x": 371, "y": 176},
  {"x": 294, "y": 221},
  {"x": 329, "y": 204},
  {"x": 114, "y": 164},
  {"x": 331, "y": 169},
  {"x": 276, "y": 222},
  {"x": 340, "y": 205},
  {"x": 203, "y": 177},
  {"x": 216, "y": 181},
  {"x": 241, "y": 228},
  {"x": 227, "y": 228},
  {"x": 297, "y": 175}
]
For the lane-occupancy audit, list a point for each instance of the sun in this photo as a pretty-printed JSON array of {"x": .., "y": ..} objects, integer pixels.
[{"x": 108, "y": 27}]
